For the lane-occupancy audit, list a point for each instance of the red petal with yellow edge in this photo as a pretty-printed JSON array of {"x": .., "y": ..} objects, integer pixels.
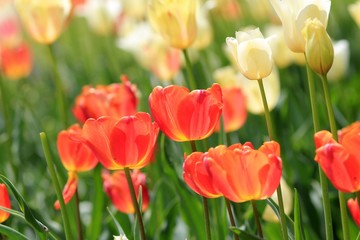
[{"x": 4, "y": 202}]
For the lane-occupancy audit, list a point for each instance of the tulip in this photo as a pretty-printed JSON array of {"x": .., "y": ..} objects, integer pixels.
[
  {"x": 319, "y": 50},
  {"x": 116, "y": 100},
  {"x": 186, "y": 116},
  {"x": 44, "y": 19},
  {"x": 234, "y": 111},
  {"x": 340, "y": 160},
  {"x": 354, "y": 209},
  {"x": 252, "y": 53},
  {"x": 127, "y": 142},
  {"x": 204, "y": 35},
  {"x": 197, "y": 177},
  {"x": 4, "y": 202},
  {"x": 76, "y": 157},
  {"x": 116, "y": 187},
  {"x": 341, "y": 61},
  {"x": 16, "y": 62},
  {"x": 294, "y": 13},
  {"x": 354, "y": 9},
  {"x": 242, "y": 173},
  {"x": 10, "y": 31},
  {"x": 174, "y": 20}
]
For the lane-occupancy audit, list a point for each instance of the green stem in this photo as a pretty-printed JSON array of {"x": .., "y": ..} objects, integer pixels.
[
  {"x": 257, "y": 219},
  {"x": 271, "y": 136},
  {"x": 358, "y": 197},
  {"x": 207, "y": 218},
  {"x": 56, "y": 184},
  {"x": 60, "y": 93},
  {"x": 78, "y": 216},
  {"x": 190, "y": 76},
  {"x": 231, "y": 216},
  {"x": 135, "y": 203},
  {"x": 342, "y": 201},
  {"x": 322, "y": 176}
]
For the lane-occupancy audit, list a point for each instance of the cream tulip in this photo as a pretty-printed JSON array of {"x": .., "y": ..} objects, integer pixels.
[
  {"x": 354, "y": 10},
  {"x": 175, "y": 20},
  {"x": 252, "y": 53},
  {"x": 44, "y": 19},
  {"x": 341, "y": 61},
  {"x": 294, "y": 13}
]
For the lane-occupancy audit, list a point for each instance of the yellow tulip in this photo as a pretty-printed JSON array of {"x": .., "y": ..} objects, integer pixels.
[
  {"x": 252, "y": 53},
  {"x": 354, "y": 10},
  {"x": 175, "y": 20},
  {"x": 44, "y": 19}
]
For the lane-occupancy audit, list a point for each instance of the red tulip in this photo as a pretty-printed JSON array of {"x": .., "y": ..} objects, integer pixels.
[
  {"x": 116, "y": 187},
  {"x": 76, "y": 156},
  {"x": 197, "y": 177},
  {"x": 340, "y": 161},
  {"x": 115, "y": 100},
  {"x": 127, "y": 142},
  {"x": 354, "y": 209},
  {"x": 234, "y": 111},
  {"x": 4, "y": 202},
  {"x": 242, "y": 173},
  {"x": 16, "y": 61},
  {"x": 183, "y": 115}
]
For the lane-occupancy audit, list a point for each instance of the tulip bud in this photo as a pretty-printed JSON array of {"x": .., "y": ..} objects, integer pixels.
[{"x": 319, "y": 49}]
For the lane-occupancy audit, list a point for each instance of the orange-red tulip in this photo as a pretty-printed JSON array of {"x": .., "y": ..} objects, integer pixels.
[
  {"x": 234, "y": 111},
  {"x": 16, "y": 62},
  {"x": 340, "y": 160},
  {"x": 242, "y": 173},
  {"x": 116, "y": 187},
  {"x": 354, "y": 209},
  {"x": 127, "y": 142},
  {"x": 4, "y": 202},
  {"x": 76, "y": 156},
  {"x": 197, "y": 177},
  {"x": 183, "y": 115},
  {"x": 115, "y": 100}
]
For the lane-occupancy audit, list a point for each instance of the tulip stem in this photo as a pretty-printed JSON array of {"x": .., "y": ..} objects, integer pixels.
[
  {"x": 190, "y": 76},
  {"x": 323, "y": 179},
  {"x": 342, "y": 201},
  {"x": 56, "y": 184},
  {"x": 207, "y": 218},
  {"x": 135, "y": 203},
  {"x": 257, "y": 219},
  {"x": 78, "y": 216},
  {"x": 231, "y": 216},
  {"x": 358, "y": 197},
  {"x": 60, "y": 93},
  {"x": 271, "y": 136}
]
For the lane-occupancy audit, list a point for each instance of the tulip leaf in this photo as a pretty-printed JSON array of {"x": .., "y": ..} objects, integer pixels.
[
  {"x": 11, "y": 233},
  {"x": 29, "y": 216},
  {"x": 289, "y": 221},
  {"x": 244, "y": 235},
  {"x": 117, "y": 224},
  {"x": 298, "y": 227}
]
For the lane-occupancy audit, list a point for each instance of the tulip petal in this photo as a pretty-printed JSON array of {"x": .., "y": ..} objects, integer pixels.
[{"x": 69, "y": 189}]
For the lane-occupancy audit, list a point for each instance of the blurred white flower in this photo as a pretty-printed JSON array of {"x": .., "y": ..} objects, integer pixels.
[
  {"x": 341, "y": 60},
  {"x": 121, "y": 237}
]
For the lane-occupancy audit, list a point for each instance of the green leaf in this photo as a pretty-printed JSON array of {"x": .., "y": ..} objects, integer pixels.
[
  {"x": 11, "y": 233},
  {"x": 244, "y": 235},
  {"x": 298, "y": 228},
  {"x": 117, "y": 224},
  {"x": 289, "y": 221},
  {"x": 29, "y": 217}
]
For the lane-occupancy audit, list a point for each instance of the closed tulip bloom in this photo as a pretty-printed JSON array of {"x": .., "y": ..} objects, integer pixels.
[
  {"x": 175, "y": 20},
  {"x": 294, "y": 13},
  {"x": 16, "y": 62},
  {"x": 44, "y": 19},
  {"x": 4, "y": 202},
  {"x": 340, "y": 160},
  {"x": 197, "y": 177},
  {"x": 242, "y": 173},
  {"x": 183, "y": 115},
  {"x": 319, "y": 49},
  {"x": 76, "y": 157},
  {"x": 116, "y": 100},
  {"x": 354, "y": 209},
  {"x": 234, "y": 111},
  {"x": 127, "y": 142},
  {"x": 116, "y": 187},
  {"x": 252, "y": 53}
]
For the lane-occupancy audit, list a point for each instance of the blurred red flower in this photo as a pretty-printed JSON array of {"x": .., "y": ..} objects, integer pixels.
[
  {"x": 127, "y": 142},
  {"x": 183, "y": 115},
  {"x": 340, "y": 160},
  {"x": 116, "y": 187},
  {"x": 4, "y": 202},
  {"x": 354, "y": 209},
  {"x": 115, "y": 100}
]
